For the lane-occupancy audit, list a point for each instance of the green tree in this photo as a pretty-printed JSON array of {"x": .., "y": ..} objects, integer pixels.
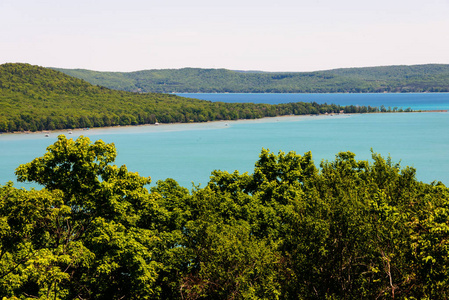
[{"x": 93, "y": 244}]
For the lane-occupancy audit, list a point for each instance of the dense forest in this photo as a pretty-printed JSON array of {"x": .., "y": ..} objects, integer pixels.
[
  {"x": 348, "y": 230},
  {"x": 395, "y": 79},
  {"x": 33, "y": 98}
]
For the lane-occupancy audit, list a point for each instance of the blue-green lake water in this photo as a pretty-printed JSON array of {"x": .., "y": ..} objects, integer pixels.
[
  {"x": 416, "y": 101},
  {"x": 190, "y": 152}
]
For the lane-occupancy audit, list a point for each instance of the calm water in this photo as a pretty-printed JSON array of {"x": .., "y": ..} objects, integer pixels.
[
  {"x": 427, "y": 101},
  {"x": 189, "y": 152}
]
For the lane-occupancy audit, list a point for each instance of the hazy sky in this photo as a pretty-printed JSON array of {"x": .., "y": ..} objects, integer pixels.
[{"x": 275, "y": 35}]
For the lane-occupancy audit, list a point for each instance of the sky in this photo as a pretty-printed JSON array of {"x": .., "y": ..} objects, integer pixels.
[{"x": 277, "y": 36}]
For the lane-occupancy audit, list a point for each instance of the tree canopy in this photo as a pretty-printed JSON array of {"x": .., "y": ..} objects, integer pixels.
[{"x": 289, "y": 230}]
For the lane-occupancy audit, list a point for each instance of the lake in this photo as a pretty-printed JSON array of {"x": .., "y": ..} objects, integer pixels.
[
  {"x": 416, "y": 101},
  {"x": 189, "y": 152}
]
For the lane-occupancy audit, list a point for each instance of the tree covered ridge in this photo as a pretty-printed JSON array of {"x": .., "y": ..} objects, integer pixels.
[
  {"x": 415, "y": 78},
  {"x": 34, "y": 98},
  {"x": 349, "y": 229}
]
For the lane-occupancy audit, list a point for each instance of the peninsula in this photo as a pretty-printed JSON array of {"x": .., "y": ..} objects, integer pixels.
[{"x": 34, "y": 98}]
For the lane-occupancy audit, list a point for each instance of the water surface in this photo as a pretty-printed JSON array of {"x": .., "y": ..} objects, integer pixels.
[
  {"x": 416, "y": 101},
  {"x": 189, "y": 152}
]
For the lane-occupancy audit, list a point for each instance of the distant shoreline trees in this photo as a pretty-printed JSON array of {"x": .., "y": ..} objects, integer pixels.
[{"x": 389, "y": 79}]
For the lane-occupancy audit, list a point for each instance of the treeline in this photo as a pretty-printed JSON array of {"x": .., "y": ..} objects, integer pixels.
[
  {"x": 34, "y": 98},
  {"x": 393, "y": 79},
  {"x": 348, "y": 230}
]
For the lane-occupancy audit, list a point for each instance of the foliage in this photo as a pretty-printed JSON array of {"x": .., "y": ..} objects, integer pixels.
[
  {"x": 90, "y": 246},
  {"x": 393, "y": 79},
  {"x": 290, "y": 230}
]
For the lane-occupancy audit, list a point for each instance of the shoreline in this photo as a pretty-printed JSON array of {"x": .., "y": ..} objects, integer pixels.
[
  {"x": 158, "y": 125},
  {"x": 69, "y": 132},
  {"x": 432, "y": 110},
  {"x": 307, "y": 93}
]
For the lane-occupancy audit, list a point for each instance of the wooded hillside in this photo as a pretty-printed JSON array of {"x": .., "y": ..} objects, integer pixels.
[{"x": 416, "y": 78}]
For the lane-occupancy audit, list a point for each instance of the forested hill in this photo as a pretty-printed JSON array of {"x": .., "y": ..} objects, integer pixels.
[
  {"x": 416, "y": 78},
  {"x": 35, "y": 98}
]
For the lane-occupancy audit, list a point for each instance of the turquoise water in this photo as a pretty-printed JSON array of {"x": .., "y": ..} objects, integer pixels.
[
  {"x": 416, "y": 101},
  {"x": 189, "y": 152}
]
